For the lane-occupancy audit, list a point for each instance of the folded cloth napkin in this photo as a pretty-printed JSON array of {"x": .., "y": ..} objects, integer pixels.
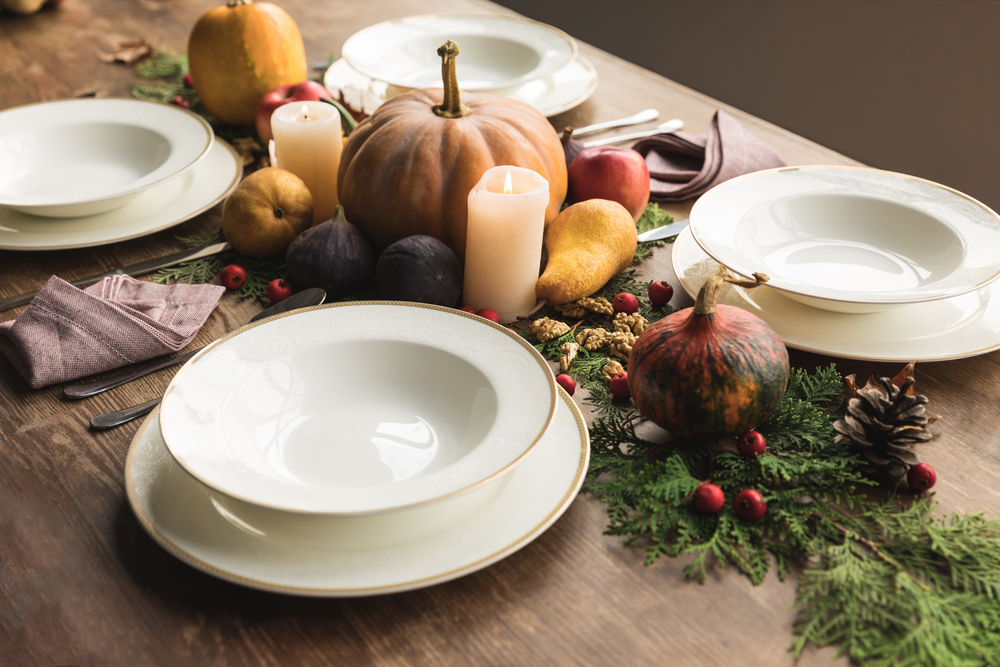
[
  {"x": 683, "y": 165},
  {"x": 67, "y": 333}
]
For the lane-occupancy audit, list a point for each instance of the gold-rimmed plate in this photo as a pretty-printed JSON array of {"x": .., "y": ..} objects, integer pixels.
[{"x": 355, "y": 556}]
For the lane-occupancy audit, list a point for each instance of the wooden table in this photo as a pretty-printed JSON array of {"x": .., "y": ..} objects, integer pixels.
[{"x": 82, "y": 584}]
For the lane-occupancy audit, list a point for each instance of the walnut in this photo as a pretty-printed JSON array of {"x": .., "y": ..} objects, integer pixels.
[
  {"x": 573, "y": 311},
  {"x": 634, "y": 323},
  {"x": 598, "y": 305},
  {"x": 611, "y": 369},
  {"x": 621, "y": 344},
  {"x": 545, "y": 329},
  {"x": 593, "y": 339},
  {"x": 567, "y": 353}
]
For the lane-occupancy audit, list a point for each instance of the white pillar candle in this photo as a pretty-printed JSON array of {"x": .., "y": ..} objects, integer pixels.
[
  {"x": 308, "y": 139},
  {"x": 503, "y": 248}
]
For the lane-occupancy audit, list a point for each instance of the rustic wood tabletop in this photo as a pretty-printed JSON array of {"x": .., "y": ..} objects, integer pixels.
[{"x": 81, "y": 583}]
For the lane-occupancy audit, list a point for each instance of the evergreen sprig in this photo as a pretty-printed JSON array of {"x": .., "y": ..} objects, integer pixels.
[
  {"x": 651, "y": 218},
  {"x": 905, "y": 588},
  {"x": 801, "y": 488},
  {"x": 260, "y": 272}
]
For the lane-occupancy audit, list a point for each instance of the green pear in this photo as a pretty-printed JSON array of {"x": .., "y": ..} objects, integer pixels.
[{"x": 588, "y": 243}]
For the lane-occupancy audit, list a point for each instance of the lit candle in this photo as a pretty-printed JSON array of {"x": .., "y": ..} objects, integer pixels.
[
  {"x": 307, "y": 142},
  {"x": 503, "y": 248}
]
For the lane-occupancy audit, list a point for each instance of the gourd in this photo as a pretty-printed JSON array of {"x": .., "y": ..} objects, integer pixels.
[
  {"x": 239, "y": 52},
  {"x": 419, "y": 268},
  {"x": 333, "y": 255},
  {"x": 710, "y": 371},
  {"x": 22, "y": 7},
  {"x": 408, "y": 168}
]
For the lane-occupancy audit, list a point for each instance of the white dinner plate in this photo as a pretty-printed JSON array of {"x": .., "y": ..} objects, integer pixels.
[
  {"x": 358, "y": 408},
  {"x": 70, "y": 158},
  {"x": 348, "y": 557},
  {"x": 156, "y": 209},
  {"x": 851, "y": 239},
  {"x": 496, "y": 51},
  {"x": 963, "y": 326},
  {"x": 549, "y": 95}
]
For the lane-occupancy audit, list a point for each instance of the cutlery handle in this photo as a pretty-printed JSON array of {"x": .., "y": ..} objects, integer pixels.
[
  {"x": 112, "y": 419},
  {"x": 87, "y": 389},
  {"x": 669, "y": 126},
  {"x": 635, "y": 119}
]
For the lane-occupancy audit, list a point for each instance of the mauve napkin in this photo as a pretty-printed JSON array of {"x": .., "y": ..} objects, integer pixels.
[
  {"x": 683, "y": 165},
  {"x": 67, "y": 333}
]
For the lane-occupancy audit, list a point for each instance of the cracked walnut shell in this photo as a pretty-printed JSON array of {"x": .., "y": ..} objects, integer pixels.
[
  {"x": 593, "y": 339},
  {"x": 631, "y": 323},
  {"x": 621, "y": 344},
  {"x": 567, "y": 353},
  {"x": 546, "y": 329},
  {"x": 611, "y": 369}
]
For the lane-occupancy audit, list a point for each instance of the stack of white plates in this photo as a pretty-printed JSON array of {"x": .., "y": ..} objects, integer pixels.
[
  {"x": 863, "y": 263},
  {"x": 514, "y": 57},
  {"x": 84, "y": 172},
  {"x": 357, "y": 448}
]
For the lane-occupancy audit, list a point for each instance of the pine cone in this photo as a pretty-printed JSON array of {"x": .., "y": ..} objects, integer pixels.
[{"x": 885, "y": 422}]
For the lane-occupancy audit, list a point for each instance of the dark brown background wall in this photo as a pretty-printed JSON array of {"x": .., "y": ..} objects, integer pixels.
[{"x": 906, "y": 85}]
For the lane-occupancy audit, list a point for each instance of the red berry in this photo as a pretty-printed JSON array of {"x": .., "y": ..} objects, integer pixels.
[
  {"x": 468, "y": 309},
  {"x": 181, "y": 102},
  {"x": 488, "y": 314},
  {"x": 625, "y": 303},
  {"x": 921, "y": 477},
  {"x": 751, "y": 443},
  {"x": 232, "y": 277},
  {"x": 188, "y": 82},
  {"x": 660, "y": 293},
  {"x": 278, "y": 289},
  {"x": 620, "y": 388},
  {"x": 749, "y": 505},
  {"x": 708, "y": 498},
  {"x": 567, "y": 383}
]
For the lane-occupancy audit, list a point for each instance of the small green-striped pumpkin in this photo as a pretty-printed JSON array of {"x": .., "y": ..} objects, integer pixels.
[{"x": 710, "y": 371}]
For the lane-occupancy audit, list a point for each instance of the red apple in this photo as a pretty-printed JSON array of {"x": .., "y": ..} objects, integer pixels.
[
  {"x": 294, "y": 92},
  {"x": 610, "y": 172}
]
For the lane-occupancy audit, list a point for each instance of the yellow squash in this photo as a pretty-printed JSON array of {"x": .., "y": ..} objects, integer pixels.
[{"x": 241, "y": 51}]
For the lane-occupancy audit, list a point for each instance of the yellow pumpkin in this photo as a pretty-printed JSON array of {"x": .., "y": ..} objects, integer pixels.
[
  {"x": 239, "y": 52},
  {"x": 408, "y": 168}
]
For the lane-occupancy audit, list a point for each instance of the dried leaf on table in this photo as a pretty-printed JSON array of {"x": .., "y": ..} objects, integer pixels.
[{"x": 128, "y": 52}]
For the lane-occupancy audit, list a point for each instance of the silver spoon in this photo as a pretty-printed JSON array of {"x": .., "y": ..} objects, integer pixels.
[
  {"x": 669, "y": 126},
  {"x": 309, "y": 297},
  {"x": 634, "y": 119}
]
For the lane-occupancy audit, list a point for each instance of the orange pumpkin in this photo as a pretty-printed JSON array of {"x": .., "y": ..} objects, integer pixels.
[
  {"x": 408, "y": 168},
  {"x": 239, "y": 52}
]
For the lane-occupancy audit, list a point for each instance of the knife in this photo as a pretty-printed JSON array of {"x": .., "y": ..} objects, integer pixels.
[
  {"x": 670, "y": 126},
  {"x": 139, "y": 269},
  {"x": 666, "y": 231}
]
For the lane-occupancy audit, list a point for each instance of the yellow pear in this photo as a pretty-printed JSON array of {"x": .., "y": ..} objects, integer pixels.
[{"x": 588, "y": 244}]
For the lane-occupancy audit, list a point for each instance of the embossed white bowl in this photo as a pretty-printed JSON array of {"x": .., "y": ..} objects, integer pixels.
[
  {"x": 358, "y": 408},
  {"x": 82, "y": 157},
  {"x": 496, "y": 51},
  {"x": 850, "y": 239}
]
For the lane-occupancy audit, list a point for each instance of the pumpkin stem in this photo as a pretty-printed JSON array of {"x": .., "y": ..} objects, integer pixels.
[
  {"x": 235, "y": 3},
  {"x": 708, "y": 295},
  {"x": 452, "y": 106}
]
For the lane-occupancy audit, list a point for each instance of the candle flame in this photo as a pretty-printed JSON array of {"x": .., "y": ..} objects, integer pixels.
[
  {"x": 507, "y": 189},
  {"x": 305, "y": 112}
]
